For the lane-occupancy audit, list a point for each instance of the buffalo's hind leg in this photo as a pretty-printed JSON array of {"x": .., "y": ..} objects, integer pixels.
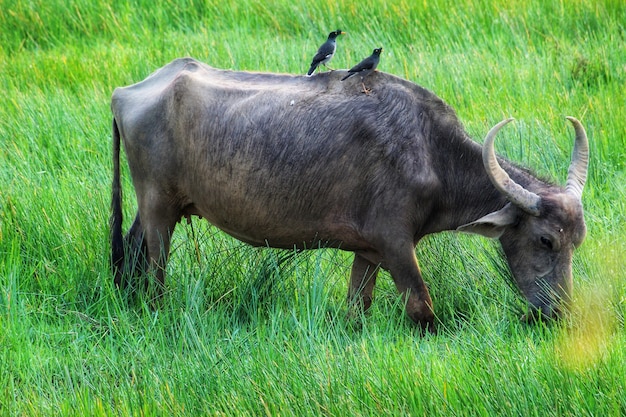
[
  {"x": 362, "y": 282},
  {"x": 134, "y": 261},
  {"x": 159, "y": 223}
]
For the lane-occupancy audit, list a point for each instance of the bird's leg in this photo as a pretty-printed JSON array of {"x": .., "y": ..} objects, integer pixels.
[
  {"x": 366, "y": 90},
  {"x": 327, "y": 66}
]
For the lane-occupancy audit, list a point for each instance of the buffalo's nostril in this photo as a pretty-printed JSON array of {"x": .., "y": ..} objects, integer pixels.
[{"x": 543, "y": 313}]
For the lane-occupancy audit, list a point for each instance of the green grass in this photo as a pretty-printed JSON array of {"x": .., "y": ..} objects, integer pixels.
[{"x": 246, "y": 331}]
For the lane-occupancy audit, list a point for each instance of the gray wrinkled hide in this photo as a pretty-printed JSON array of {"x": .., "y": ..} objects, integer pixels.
[{"x": 293, "y": 161}]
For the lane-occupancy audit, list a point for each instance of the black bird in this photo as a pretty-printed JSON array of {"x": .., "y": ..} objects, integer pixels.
[
  {"x": 326, "y": 51},
  {"x": 365, "y": 67}
]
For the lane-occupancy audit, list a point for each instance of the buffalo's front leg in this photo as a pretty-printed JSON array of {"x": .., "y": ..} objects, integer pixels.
[
  {"x": 402, "y": 266},
  {"x": 362, "y": 282}
]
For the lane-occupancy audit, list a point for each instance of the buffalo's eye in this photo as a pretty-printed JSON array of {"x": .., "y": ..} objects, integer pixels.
[{"x": 546, "y": 242}]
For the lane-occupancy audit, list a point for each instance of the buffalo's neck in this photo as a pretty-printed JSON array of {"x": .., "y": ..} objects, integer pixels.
[{"x": 467, "y": 192}]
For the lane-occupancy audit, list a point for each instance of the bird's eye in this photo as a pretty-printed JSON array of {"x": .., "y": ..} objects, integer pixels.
[{"x": 546, "y": 242}]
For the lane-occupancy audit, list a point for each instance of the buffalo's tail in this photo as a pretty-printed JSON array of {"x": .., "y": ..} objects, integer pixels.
[{"x": 115, "y": 222}]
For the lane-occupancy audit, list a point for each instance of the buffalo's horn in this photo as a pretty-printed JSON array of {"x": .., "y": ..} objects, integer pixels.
[
  {"x": 515, "y": 193},
  {"x": 577, "y": 173}
]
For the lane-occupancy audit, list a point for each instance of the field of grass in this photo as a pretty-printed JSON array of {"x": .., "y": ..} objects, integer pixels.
[{"x": 246, "y": 331}]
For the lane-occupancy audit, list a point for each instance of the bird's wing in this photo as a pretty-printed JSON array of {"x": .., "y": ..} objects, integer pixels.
[
  {"x": 319, "y": 57},
  {"x": 364, "y": 65},
  {"x": 325, "y": 51}
]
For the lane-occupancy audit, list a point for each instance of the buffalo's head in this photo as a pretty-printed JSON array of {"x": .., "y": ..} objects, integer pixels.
[{"x": 538, "y": 231}]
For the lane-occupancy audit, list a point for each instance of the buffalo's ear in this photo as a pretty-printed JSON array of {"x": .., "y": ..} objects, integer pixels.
[{"x": 493, "y": 224}]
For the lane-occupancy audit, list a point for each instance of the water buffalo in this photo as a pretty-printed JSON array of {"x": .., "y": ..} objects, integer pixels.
[{"x": 304, "y": 162}]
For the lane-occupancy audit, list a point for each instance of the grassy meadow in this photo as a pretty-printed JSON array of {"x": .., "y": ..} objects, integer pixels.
[{"x": 245, "y": 331}]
